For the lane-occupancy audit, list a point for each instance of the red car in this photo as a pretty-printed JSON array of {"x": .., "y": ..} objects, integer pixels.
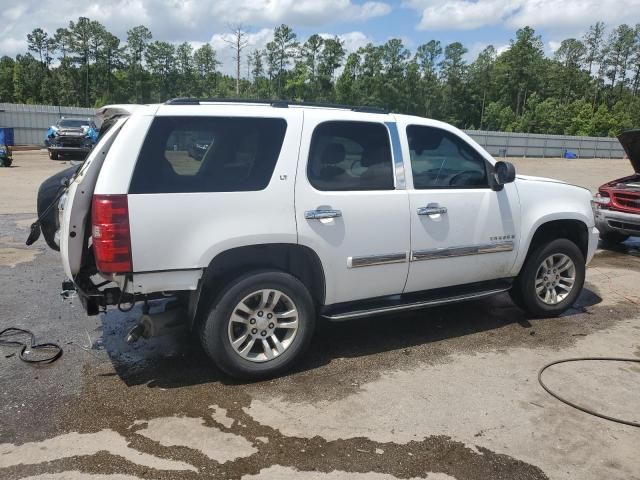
[{"x": 617, "y": 203}]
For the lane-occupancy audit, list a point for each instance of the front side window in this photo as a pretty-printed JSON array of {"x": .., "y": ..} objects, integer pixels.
[
  {"x": 350, "y": 156},
  {"x": 441, "y": 159},
  {"x": 208, "y": 154}
]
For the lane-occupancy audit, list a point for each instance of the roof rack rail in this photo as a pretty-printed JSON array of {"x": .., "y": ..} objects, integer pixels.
[{"x": 276, "y": 104}]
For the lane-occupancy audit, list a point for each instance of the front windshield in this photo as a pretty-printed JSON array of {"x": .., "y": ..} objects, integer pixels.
[{"x": 73, "y": 122}]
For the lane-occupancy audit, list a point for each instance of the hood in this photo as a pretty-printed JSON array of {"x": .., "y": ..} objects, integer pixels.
[
  {"x": 538, "y": 179},
  {"x": 630, "y": 141}
]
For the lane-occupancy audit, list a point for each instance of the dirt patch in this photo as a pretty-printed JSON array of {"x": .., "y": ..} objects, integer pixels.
[
  {"x": 588, "y": 172},
  {"x": 10, "y": 257},
  {"x": 19, "y": 184},
  {"x": 25, "y": 223}
]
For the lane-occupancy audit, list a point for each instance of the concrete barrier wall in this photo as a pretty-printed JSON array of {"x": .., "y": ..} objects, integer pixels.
[
  {"x": 502, "y": 144},
  {"x": 30, "y": 123}
]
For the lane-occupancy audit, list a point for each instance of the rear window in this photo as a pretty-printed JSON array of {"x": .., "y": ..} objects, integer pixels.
[{"x": 208, "y": 154}]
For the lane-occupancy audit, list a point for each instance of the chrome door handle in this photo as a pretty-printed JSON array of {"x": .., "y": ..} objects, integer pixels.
[
  {"x": 322, "y": 214},
  {"x": 432, "y": 209}
]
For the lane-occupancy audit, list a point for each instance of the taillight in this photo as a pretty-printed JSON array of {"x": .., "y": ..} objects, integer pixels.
[{"x": 111, "y": 235}]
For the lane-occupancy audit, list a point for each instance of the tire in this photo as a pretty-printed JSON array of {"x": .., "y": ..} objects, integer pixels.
[
  {"x": 53, "y": 155},
  {"x": 247, "y": 292},
  {"x": 533, "y": 275},
  {"x": 613, "y": 237}
]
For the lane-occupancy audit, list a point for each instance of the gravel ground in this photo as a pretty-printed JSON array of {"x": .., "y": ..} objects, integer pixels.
[{"x": 447, "y": 393}]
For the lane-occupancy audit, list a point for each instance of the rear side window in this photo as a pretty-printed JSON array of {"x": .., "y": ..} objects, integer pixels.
[
  {"x": 441, "y": 159},
  {"x": 208, "y": 154},
  {"x": 350, "y": 156}
]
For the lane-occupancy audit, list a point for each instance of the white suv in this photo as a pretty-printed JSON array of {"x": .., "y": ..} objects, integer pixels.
[{"x": 259, "y": 217}]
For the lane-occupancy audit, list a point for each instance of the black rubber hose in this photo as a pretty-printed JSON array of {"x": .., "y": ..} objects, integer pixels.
[
  {"x": 13, "y": 331},
  {"x": 579, "y": 407}
]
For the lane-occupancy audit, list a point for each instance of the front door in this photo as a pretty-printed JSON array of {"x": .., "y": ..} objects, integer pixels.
[
  {"x": 462, "y": 231},
  {"x": 350, "y": 208}
]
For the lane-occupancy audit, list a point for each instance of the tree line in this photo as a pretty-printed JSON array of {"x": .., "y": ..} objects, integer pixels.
[{"x": 590, "y": 86}]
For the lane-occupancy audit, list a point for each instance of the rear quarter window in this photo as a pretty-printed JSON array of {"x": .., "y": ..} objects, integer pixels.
[{"x": 208, "y": 154}]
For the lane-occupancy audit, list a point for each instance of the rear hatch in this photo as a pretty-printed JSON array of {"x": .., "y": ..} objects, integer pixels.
[{"x": 75, "y": 206}]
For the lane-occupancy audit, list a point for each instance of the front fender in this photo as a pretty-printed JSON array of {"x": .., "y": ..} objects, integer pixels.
[{"x": 543, "y": 202}]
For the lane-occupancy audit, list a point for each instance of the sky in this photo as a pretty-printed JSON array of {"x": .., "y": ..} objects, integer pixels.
[{"x": 475, "y": 23}]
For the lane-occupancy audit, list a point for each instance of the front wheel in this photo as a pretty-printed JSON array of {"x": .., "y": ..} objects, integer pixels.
[
  {"x": 551, "y": 278},
  {"x": 260, "y": 325},
  {"x": 53, "y": 155}
]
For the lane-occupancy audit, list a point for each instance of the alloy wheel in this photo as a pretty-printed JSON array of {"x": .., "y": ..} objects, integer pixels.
[
  {"x": 263, "y": 325},
  {"x": 555, "y": 278}
]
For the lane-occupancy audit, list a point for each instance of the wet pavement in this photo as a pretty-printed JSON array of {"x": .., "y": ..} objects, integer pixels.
[{"x": 446, "y": 393}]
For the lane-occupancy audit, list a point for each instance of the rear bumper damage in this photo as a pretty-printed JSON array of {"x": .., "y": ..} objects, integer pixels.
[{"x": 97, "y": 291}]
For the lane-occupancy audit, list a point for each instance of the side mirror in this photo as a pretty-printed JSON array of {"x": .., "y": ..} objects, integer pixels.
[{"x": 503, "y": 172}]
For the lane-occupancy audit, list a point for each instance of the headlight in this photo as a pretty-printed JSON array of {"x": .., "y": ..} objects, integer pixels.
[{"x": 600, "y": 200}]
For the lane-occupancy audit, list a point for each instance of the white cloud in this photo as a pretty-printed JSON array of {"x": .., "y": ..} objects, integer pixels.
[
  {"x": 9, "y": 45},
  {"x": 570, "y": 14},
  {"x": 461, "y": 14},
  {"x": 553, "y": 45},
  {"x": 225, "y": 52},
  {"x": 295, "y": 12},
  {"x": 502, "y": 48},
  {"x": 352, "y": 40},
  {"x": 178, "y": 20},
  {"x": 373, "y": 9},
  {"x": 477, "y": 47},
  {"x": 560, "y": 15}
]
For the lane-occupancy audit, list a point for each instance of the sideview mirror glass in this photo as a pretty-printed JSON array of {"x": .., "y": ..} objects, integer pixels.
[{"x": 504, "y": 172}]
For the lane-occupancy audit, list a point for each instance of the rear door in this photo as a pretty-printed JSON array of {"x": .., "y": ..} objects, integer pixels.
[{"x": 351, "y": 205}]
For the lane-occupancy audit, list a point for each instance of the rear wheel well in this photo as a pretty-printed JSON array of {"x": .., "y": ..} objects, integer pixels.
[
  {"x": 573, "y": 230},
  {"x": 297, "y": 260}
]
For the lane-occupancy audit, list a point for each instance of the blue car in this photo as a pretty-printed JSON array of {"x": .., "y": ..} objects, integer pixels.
[{"x": 71, "y": 136}]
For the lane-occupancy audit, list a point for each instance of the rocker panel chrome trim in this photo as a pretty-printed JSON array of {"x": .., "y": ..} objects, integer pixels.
[
  {"x": 371, "y": 260},
  {"x": 436, "y": 253},
  {"x": 415, "y": 305}
]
